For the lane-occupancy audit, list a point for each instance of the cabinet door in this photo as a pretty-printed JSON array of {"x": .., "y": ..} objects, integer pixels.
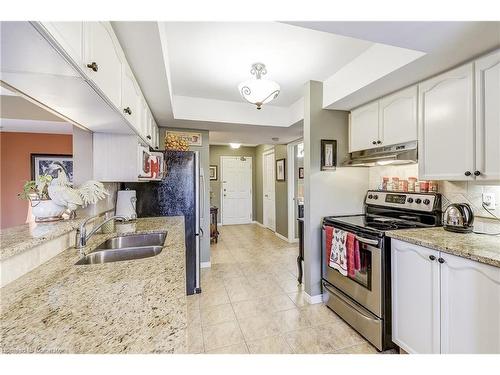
[
  {"x": 69, "y": 35},
  {"x": 415, "y": 297},
  {"x": 398, "y": 117},
  {"x": 103, "y": 49},
  {"x": 131, "y": 103},
  {"x": 470, "y": 306},
  {"x": 446, "y": 126},
  {"x": 487, "y": 71},
  {"x": 363, "y": 130}
]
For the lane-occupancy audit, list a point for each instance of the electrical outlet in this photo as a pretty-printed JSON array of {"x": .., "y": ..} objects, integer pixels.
[{"x": 489, "y": 201}]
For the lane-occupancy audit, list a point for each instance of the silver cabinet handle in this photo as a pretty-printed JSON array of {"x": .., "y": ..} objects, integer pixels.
[{"x": 366, "y": 240}]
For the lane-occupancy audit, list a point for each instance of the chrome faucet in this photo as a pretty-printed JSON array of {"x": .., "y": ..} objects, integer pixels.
[{"x": 81, "y": 233}]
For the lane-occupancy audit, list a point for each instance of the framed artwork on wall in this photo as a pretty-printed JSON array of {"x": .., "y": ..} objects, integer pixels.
[
  {"x": 328, "y": 154},
  {"x": 51, "y": 164},
  {"x": 213, "y": 173},
  {"x": 193, "y": 139},
  {"x": 280, "y": 170},
  {"x": 301, "y": 173}
]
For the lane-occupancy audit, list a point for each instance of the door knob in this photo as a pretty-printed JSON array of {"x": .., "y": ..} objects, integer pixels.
[
  {"x": 441, "y": 260},
  {"x": 379, "y": 142},
  {"x": 374, "y": 142},
  {"x": 127, "y": 110},
  {"x": 467, "y": 173},
  {"x": 93, "y": 65},
  {"x": 432, "y": 257},
  {"x": 477, "y": 173}
]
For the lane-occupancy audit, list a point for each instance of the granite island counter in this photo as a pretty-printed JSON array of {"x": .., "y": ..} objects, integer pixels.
[{"x": 136, "y": 306}]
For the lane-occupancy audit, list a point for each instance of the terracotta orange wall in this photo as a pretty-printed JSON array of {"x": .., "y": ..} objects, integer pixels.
[{"x": 15, "y": 164}]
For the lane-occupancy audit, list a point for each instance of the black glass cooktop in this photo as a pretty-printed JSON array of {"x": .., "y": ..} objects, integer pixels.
[{"x": 373, "y": 222}]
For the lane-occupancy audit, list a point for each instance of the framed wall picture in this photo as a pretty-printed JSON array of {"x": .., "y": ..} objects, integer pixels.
[
  {"x": 213, "y": 173},
  {"x": 328, "y": 154},
  {"x": 51, "y": 164},
  {"x": 193, "y": 139},
  {"x": 280, "y": 170},
  {"x": 301, "y": 173}
]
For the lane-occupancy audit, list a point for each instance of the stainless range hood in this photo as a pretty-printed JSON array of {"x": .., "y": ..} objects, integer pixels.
[{"x": 403, "y": 153}]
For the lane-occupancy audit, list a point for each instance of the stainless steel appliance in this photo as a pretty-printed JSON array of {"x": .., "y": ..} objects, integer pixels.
[
  {"x": 403, "y": 153},
  {"x": 364, "y": 300},
  {"x": 458, "y": 217},
  {"x": 179, "y": 193}
]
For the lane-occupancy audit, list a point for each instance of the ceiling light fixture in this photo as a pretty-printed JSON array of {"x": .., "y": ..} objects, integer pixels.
[
  {"x": 235, "y": 145},
  {"x": 258, "y": 91}
]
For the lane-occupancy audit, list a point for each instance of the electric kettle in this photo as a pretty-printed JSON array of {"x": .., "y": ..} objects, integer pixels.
[{"x": 458, "y": 217}]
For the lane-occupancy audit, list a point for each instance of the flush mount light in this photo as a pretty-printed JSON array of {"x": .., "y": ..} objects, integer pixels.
[
  {"x": 258, "y": 91},
  {"x": 235, "y": 145}
]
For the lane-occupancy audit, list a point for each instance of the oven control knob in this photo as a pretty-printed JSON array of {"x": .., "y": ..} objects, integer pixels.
[
  {"x": 418, "y": 201},
  {"x": 375, "y": 196},
  {"x": 410, "y": 200},
  {"x": 427, "y": 201},
  {"x": 370, "y": 196}
]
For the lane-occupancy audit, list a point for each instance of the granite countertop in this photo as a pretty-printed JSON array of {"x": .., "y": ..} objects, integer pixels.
[
  {"x": 136, "y": 306},
  {"x": 478, "y": 247},
  {"x": 17, "y": 239}
]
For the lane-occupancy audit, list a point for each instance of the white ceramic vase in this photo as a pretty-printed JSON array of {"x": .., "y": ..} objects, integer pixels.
[{"x": 46, "y": 210}]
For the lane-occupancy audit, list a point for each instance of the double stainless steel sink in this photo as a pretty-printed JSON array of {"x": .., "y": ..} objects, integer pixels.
[{"x": 135, "y": 246}]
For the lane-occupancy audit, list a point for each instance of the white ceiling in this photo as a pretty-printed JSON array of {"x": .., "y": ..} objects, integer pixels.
[
  {"x": 210, "y": 59},
  {"x": 446, "y": 44},
  {"x": 189, "y": 71}
]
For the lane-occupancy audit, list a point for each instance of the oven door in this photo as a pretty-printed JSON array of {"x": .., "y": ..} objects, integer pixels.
[{"x": 365, "y": 287}]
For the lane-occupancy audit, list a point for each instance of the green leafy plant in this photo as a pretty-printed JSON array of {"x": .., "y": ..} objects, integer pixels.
[{"x": 34, "y": 190}]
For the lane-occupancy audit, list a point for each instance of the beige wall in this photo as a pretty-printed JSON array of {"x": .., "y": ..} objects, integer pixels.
[
  {"x": 215, "y": 186},
  {"x": 281, "y": 194},
  {"x": 338, "y": 192}
]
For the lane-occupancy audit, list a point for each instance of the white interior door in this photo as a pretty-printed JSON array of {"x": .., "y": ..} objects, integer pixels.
[
  {"x": 236, "y": 190},
  {"x": 268, "y": 211}
]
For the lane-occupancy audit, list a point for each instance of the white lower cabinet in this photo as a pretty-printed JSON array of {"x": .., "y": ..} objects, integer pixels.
[
  {"x": 470, "y": 306},
  {"x": 443, "y": 303},
  {"x": 415, "y": 298}
]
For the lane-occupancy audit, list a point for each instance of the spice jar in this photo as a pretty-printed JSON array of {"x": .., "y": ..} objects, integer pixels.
[
  {"x": 404, "y": 185},
  {"x": 385, "y": 182},
  {"x": 433, "y": 186},
  {"x": 424, "y": 186},
  {"x": 395, "y": 183},
  {"x": 412, "y": 181}
]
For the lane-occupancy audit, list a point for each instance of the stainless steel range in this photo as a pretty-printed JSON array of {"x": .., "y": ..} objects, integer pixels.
[{"x": 363, "y": 297}]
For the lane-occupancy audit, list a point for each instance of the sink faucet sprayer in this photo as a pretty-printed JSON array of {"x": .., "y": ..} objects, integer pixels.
[{"x": 81, "y": 233}]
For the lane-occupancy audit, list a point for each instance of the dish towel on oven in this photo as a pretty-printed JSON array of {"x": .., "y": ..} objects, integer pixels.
[
  {"x": 328, "y": 242},
  {"x": 351, "y": 255},
  {"x": 338, "y": 252}
]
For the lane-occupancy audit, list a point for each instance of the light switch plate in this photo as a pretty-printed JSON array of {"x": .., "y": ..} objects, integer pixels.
[{"x": 489, "y": 201}]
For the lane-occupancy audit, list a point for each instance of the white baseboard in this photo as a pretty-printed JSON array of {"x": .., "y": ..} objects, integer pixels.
[
  {"x": 219, "y": 224},
  {"x": 259, "y": 224},
  {"x": 312, "y": 300},
  {"x": 281, "y": 237},
  {"x": 205, "y": 264},
  {"x": 294, "y": 240}
]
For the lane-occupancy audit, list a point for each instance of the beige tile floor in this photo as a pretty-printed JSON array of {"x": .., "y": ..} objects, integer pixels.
[{"x": 251, "y": 302}]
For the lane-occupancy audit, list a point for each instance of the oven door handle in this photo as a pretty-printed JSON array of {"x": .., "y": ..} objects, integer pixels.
[{"x": 366, "y": 240}]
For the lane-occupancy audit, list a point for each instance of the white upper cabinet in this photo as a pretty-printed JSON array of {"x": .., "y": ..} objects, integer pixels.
[
  {"x": 131, "y": 99},
  {"x": 70, "y": 36},
  {"x": 398, "y": 117},
  {"x": 446, "y": 126},
  {"x": 487, "y": 71},
  {"x": 363, "y": 129},
  {"x": 103, "y": 59},
  {"x": 470, "y": 306},
  {"x": 415, "y": 298}
]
